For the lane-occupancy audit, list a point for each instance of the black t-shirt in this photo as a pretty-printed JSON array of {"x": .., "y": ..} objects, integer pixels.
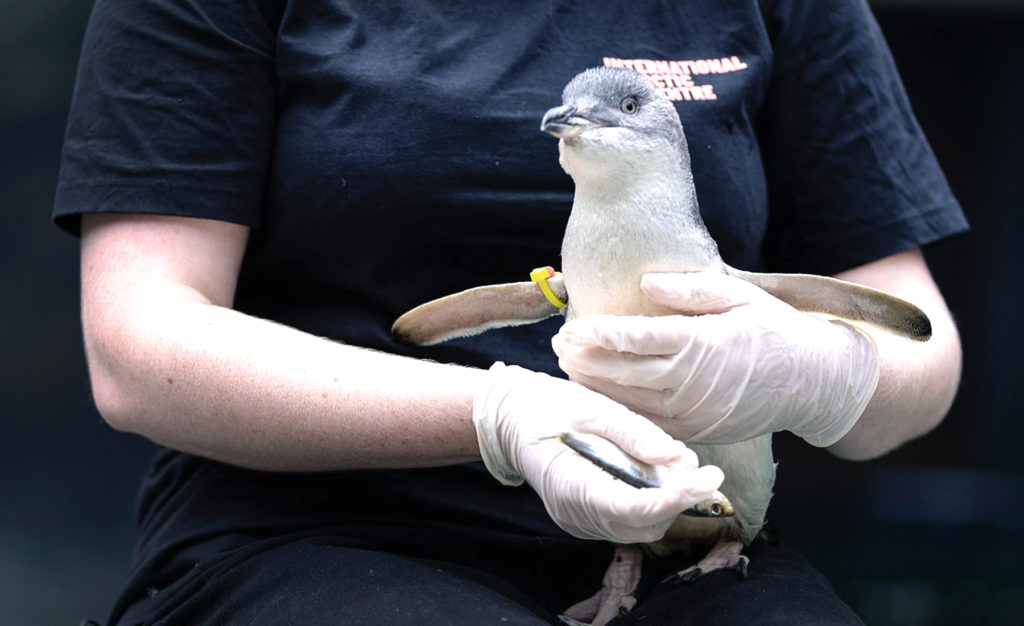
[{"x": 387, "y": 153}]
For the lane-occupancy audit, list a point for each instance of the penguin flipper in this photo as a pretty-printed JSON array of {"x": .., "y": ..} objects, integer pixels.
[
  {"x": 844, "y": 300},
  {"x": 473, "y": 311}
]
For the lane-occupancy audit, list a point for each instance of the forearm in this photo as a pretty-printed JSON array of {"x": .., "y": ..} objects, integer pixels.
[
  {"x": 741, "y": 363},
  {"x": 211, "y": 381},
  {"x": 918, "y": 380}
]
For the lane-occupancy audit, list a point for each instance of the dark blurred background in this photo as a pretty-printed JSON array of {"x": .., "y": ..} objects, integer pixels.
[{"x": 927, "y": 535}]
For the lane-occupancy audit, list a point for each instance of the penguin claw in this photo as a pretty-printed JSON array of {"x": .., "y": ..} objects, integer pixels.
[
  {"x": 741, "y": 565},
  {"x": 687, "y": 575},
  {"x": 724, "y": 556}
]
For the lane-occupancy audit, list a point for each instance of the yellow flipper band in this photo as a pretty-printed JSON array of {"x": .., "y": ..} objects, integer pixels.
[{"x": 541, "y": 276}]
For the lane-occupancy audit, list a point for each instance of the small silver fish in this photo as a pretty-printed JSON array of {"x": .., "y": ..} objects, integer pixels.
[{"x": 620, "y": 464}]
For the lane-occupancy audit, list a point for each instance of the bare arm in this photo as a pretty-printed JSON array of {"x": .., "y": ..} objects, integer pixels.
[
  {"x": 918, "y": 380},
  {"x": 170, "y": 360}
]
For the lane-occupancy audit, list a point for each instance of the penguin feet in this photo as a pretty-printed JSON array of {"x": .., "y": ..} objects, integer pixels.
[
  {"x": 724, "y": 555},
  {"x": 616, "y": 595}
]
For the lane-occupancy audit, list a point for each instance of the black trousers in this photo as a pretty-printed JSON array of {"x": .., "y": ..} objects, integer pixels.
[{"x": 501, "y": 580}]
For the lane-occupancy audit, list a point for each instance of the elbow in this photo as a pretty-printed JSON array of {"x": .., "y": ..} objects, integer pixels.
[
  {"x": 112, "y": 401},
  {"x": 112, "y": 392},
  {"x": 868, "y": 446},
  {"x": 862, "y": 449}
]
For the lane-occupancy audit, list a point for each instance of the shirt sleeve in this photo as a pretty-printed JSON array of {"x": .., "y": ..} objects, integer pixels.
[
  {"x": 173, "y": 111},
  {"x": 851, "y": 177}
]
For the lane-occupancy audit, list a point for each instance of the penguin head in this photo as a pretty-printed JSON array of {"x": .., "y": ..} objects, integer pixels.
[{"x": 612, "y": 117}]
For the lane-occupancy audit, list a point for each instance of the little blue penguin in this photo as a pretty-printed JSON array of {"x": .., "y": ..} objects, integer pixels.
[{"x": 635, "y": 211}]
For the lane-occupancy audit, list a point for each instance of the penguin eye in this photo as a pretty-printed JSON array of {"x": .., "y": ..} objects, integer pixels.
[{"x": 629, "y": 105}]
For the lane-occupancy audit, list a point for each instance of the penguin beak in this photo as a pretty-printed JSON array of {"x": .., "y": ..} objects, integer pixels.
[{"x": 562, "y": 122}]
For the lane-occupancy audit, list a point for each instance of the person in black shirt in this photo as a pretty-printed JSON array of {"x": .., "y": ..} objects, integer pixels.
[{"x": 261, "y": 187}]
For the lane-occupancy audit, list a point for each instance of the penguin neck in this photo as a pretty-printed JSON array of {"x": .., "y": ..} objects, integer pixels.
[
  {"x": 648, "y": 204},
  {"x": 644, "y": 180}
]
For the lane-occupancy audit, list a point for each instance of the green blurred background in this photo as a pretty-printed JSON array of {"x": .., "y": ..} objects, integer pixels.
[{"x": 927, "y": 535}]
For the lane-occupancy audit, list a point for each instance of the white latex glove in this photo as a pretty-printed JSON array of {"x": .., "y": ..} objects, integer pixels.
[
  {"x": 518, "y": 416},
  {"x": 736, "y": 363}
]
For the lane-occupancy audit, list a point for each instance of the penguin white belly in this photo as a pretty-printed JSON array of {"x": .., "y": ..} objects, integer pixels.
[
  {"x": 603, "y": 261},
  {"x": 604, "y": 258}
]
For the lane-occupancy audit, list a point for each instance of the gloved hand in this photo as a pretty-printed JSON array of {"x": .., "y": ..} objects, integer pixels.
[
  {"x": 736, "y": 363},
  {"x": 518, "y": 416}
]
